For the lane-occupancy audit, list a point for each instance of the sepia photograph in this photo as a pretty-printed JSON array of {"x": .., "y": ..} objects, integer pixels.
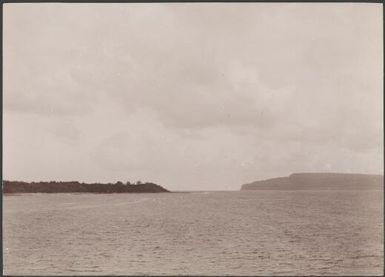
[{"x": 192, "y": 139}]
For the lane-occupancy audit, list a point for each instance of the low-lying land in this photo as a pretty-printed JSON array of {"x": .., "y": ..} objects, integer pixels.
[{"x": 71, "y": 187}]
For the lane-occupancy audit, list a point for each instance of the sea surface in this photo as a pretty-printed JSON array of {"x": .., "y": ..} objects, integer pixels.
[{"x": 203, "y": 233}]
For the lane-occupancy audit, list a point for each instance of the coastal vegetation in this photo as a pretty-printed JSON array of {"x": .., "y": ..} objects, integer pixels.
[{"x": 74, "y": 186}]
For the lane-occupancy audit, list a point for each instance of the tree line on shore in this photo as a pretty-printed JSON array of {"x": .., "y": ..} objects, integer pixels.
[{"x": 74, "y": 186}]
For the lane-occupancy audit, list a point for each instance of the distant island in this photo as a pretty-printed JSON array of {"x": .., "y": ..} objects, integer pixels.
[
  {"x": 319, "y": 181},
  {"x": 71, "y": 187}
]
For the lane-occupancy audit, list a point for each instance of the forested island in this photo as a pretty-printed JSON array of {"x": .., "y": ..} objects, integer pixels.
[
  {"x": 319, "y": 181},
  {"x": 74, "y": 186}
]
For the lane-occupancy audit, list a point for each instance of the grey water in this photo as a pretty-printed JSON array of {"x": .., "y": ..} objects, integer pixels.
[{"x": 206, "y": 233}]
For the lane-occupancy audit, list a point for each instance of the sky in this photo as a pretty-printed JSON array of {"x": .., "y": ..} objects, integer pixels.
[{"x": 191, "y": 96}]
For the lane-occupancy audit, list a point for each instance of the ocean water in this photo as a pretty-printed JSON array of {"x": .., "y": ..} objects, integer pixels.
[{"x": 212, "y": 233}]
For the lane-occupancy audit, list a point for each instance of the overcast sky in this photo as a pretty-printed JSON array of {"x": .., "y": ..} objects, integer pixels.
[{"x": 191, "y": 96}]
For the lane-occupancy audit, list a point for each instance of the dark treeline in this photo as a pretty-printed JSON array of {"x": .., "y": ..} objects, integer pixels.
[{"x": 74, "y": 186}]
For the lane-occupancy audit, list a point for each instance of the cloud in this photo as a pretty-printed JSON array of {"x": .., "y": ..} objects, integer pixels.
[{"x": 193, "y": 96}]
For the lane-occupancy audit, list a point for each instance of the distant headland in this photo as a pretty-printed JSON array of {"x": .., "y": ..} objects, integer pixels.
[
  {"x": 320, "y": 181},
  {"x": 71, "y": 187}
]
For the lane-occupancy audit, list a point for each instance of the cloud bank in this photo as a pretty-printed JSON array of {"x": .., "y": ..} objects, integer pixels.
[{"x": 192, "y": 96}]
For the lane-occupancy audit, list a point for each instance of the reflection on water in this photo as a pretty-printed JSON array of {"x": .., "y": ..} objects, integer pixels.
[{"x": 217, "y": 233}]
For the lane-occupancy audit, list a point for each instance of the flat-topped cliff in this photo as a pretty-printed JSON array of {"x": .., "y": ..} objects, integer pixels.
[{"x": 303, "y": 181}]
